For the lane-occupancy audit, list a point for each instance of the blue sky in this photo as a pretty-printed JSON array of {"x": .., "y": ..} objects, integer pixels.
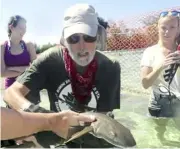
[{"x": 44, "y": 17}]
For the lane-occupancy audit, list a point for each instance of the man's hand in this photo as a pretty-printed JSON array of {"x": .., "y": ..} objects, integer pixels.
[
  {"x": 61, "y": 122},
  {"x": 28, "y": 139}
]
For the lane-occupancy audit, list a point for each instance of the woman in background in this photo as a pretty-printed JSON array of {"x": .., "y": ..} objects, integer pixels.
[
  {"x": 16, "y": 56},
  {"x": 165, "y": 96}
]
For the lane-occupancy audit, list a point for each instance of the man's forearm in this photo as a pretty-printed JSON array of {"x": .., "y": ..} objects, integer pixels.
[
  {"x": 17, "y": 124},
  {"x": 15, "y": 99}
]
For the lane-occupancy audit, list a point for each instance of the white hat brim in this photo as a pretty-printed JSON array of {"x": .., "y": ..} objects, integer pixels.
[{"x": 90, "y": 30}]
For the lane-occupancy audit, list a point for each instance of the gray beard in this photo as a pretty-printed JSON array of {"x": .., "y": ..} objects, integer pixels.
[{"x": 80, "y": 68}]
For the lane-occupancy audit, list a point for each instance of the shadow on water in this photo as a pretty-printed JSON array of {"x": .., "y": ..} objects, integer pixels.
[{"x": 148, "y": 132}]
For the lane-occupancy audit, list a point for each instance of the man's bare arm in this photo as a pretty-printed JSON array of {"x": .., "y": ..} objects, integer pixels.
[
  {"x": 14, "y": 96},
  {"x": 15, "y": 124}
]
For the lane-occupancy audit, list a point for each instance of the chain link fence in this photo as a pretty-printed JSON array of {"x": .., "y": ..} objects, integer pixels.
[{"x": 130, "y": 69}]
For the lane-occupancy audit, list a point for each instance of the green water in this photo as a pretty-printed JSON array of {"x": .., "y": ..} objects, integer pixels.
[
  {"x": 133, "y": 115},
  {"x": 148, "y": 132}
]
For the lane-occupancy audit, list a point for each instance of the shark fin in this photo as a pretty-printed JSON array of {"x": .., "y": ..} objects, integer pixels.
[{"x": 80, "y": 133}]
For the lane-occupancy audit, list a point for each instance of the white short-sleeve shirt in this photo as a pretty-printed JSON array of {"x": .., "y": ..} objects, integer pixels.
[{"x": 152, "y": 57}]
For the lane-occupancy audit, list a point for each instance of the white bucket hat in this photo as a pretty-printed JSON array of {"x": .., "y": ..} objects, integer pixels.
[{"x": 80, "y": 18}]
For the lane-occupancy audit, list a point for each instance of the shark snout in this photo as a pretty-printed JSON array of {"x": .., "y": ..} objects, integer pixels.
[{"x": 130, "y": 141}]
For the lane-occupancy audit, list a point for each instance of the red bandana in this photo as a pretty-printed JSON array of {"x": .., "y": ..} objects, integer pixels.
[{"x": 81, "y": 84}]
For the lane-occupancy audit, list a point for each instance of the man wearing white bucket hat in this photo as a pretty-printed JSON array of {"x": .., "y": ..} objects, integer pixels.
[{"x": 80, "y": 76}]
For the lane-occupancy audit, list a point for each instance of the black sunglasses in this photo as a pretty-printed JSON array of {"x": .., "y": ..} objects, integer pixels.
[
  {"x": 73, "y": 39},
  {"x": 172, "y": 13}
]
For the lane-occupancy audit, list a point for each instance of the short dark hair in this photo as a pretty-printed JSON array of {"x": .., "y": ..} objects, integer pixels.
[{"x": 13, "y": 21}]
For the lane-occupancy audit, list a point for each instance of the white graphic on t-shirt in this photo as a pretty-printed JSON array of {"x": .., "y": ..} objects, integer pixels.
[{"x": 66, "y": 98}]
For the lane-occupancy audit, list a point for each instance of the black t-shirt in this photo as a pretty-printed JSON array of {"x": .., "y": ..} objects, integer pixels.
[{"x": 48, "y": 72}]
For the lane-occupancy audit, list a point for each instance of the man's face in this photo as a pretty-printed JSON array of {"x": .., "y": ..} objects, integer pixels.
[{"x": 81, "y": 48}]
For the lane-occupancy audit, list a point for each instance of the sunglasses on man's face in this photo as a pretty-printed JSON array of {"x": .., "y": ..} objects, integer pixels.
[
  {"x": 76, "y": 38},
  {"x": 172, "y": 13}
]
